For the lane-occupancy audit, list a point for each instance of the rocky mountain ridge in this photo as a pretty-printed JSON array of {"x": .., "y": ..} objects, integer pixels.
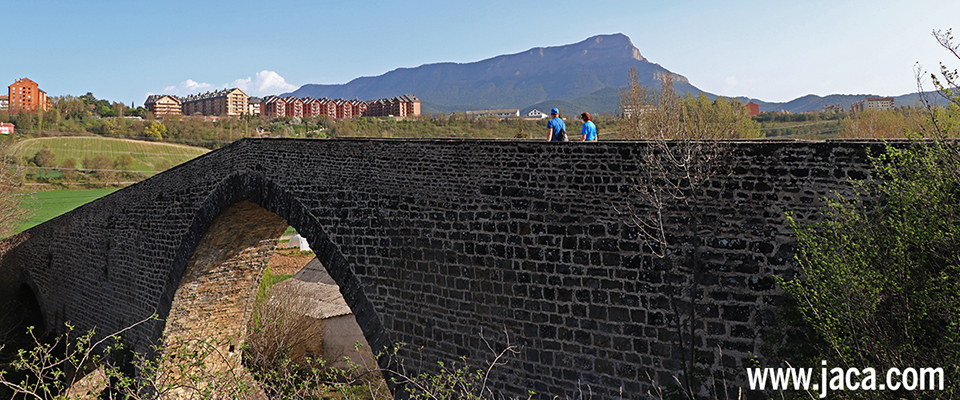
[{"x": 584, "y": 76}]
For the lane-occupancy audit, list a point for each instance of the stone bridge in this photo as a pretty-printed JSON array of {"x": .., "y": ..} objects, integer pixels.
[{"x": 443, "y": 244}]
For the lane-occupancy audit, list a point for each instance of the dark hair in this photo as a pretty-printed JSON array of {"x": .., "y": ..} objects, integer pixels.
[{"x": 585, "y": 116}]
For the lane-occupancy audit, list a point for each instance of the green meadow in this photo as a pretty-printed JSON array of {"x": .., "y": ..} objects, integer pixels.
[
  {"x": 45, "y": 206},
  {"x": 148, "y": 157}
]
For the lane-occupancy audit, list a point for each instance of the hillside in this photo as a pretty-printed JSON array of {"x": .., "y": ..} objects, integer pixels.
[
  {"x": 148, "y": 157},
  {"x": 512, "y": 81},
  {"x": 813, "y": 102}
]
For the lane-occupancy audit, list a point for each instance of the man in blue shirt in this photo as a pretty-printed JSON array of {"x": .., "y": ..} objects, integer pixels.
[
  {"x": 556, "y": 129},
  {"x": 589, "y": 130}
]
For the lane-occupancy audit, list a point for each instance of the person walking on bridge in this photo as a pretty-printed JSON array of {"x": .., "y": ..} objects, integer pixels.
[
  {"x": 589, "y": 131},
  {"x": 556, "y": 129}
]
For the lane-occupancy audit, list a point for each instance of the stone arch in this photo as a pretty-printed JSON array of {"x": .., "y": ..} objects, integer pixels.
[
  {"x": 207, "y": 261},
  {"x": 32, "y": 307},
  {"x": 18, "y": 286}
]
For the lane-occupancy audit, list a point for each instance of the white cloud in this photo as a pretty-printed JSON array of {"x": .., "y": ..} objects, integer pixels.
[
  {"x": 264, "y": 83},
  {"x": 187, "y": 87}
]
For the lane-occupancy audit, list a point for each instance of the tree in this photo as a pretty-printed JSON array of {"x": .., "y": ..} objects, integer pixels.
[
  {"x": 101, "y": 166},
  {"x": 155, "y": 130},
  {"x": 44, "y": 158},
  {"x": 683, "y": 157},
  {"x": 664, "y": 115},
  {"x": 69, "y": 169},
  {"x": 880, "y": 284},
  {"x": 11, "y": 180},
  {"x": 948, "y": 83},
  {"x": 125, "y": 161}
]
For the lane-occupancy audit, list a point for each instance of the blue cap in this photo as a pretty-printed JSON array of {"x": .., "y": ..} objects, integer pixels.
[{"x": 554, "y": 111}]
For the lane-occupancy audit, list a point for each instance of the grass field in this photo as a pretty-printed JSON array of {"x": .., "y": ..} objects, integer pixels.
[
  {"x": 48, "y": 205},
  {"x": 149, "y": 157}
]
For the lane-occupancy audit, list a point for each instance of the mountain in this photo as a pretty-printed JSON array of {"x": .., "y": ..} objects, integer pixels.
[
  {"x": 812, "y": 102},
  {"x": 587, "y": 72},
  {"x": 584, "y": 76}
]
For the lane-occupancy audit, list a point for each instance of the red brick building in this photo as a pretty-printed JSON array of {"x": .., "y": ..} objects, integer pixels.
[
  {"x": 344, "y": 109},
  {"x": 273, "y": 106},
  {"x": 359, "y": 107},
  {"x": 400, "y": 106},
  {"x": 25, "y": 95},
  {"x": 294, "y": 107},
  {"x": 311, "y": 107},
  {"x": 328, "y": 107}
]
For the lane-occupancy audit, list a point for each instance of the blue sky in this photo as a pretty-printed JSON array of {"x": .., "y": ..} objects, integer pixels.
[{"x": 124, "y": 50}]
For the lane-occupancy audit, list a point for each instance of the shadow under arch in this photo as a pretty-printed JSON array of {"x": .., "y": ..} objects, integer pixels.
[{"x": 228, "y": 197}]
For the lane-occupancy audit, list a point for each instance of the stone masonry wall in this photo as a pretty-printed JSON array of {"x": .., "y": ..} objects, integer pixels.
[
  {"x": 214, "y": 298},
  {"x": 444, "y": 243}
]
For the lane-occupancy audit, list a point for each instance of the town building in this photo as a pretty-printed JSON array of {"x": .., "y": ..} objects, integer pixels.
[
  {"x": 833, "y": 108},
  {"x": 253, "y": 105},
  {"x": 227, "y": 102},
  {"x": 294, "y": 107},
  {"x": 873, "y": 103},
  {"x": 6, "y": 128},
  {"x": 535, "y": 113},
  {"x": 273, "y": 106},
  {"x": 630, "y": 110},
  {"x": 753, "y": 108},
  {"x": 400, "y": 106},
  {"x": 344, "y": 109},
  {"x": 4, "y": 103},
  {"x": 878, "y": 103},
  {"x": 359, "y": 107},
  {"x": 25, "y": 95},
  {"x": 328, "y": 107},
  {"x": 311, "y": 107},
  {"x": 163, "y": 104},
  {"x": 502, "y": 113}
]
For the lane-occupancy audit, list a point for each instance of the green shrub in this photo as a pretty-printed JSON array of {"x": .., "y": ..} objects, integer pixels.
[{"x": 881, "y": 270}]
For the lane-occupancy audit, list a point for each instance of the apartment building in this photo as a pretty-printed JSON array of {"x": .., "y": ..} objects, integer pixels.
[
  {"x": 344, "y": 109},
  {"x": 273, "y": 106},
  {"x": 227, "y": 102},
  {"x": 358, "y": 107},
  {"x": 254, "y": 105},
  {"x": 25, "y": 95},
  {"x": 400, "y": 106},
  {"x": 163, "y": 104},
  {"x": 328, "y": 107},
  {"x": 878, "y": 103},
  {"x": 294, "y": 107},
  {"x": 311, "y": 107},
  {"x": 873, "y": 103}
]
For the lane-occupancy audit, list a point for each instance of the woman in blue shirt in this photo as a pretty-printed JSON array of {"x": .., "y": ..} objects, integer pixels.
[{"x": 589, "y": 130}]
